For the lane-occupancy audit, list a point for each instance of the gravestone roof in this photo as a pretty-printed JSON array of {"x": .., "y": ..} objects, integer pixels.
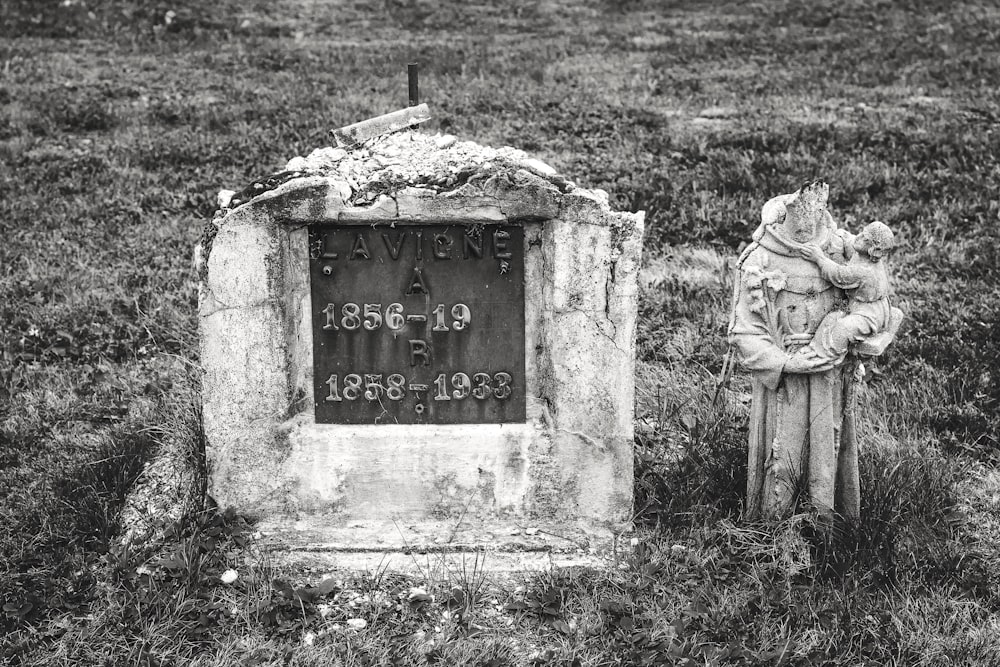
[
  {"x": 385, "y": 164},
  {"x": 411, "y": 175}
]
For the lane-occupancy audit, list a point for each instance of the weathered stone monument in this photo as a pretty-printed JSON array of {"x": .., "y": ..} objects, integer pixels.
[
  {"x": 803, "y": 341},
  {"x": 415, "y": 344}
]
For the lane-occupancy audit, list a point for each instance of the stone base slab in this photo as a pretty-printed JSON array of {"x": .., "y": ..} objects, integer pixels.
[
  {"x": 435, "y": 565},
  {"x": 430, "y": 546}
]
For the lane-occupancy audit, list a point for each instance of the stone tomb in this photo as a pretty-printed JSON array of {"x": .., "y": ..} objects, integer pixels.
[{"x": 421, "y": 345}]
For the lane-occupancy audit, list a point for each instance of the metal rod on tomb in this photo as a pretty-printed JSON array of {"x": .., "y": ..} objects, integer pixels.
[{"x": 411, "y": 73}]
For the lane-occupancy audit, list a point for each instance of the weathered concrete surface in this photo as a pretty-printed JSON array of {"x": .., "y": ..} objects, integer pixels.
[
  {"x": 432, "y": 546},
  {"x": 325, "y": 489}
]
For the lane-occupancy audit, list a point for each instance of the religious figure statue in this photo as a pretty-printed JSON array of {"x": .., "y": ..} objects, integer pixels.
[
  {"x": 867, "y": 284},
  {"x": 802, "y": 342}
]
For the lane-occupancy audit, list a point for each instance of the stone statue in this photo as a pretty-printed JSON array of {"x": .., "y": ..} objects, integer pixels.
[
  {"x": 792, "y": 328},
  {"x": 867, "y": 284}
]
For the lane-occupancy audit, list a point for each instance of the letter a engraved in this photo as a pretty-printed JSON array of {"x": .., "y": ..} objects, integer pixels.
[
  {"x": 393, "y": 248},
  {"x": 417, "y": 284},
  {"x": 360, "y": 249},
  {"x": 418, "y": 349}
]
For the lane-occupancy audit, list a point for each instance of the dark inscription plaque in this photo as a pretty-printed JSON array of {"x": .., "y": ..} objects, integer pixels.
[{"x": 418, "y": 324}]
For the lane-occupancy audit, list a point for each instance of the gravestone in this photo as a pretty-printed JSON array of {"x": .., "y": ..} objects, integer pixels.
[{"x": 421, "y": 345}]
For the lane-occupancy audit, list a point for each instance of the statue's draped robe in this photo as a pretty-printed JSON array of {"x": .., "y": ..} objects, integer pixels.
[{"x": 802, "y": 438}]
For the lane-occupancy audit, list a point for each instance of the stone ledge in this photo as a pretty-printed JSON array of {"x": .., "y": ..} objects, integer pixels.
[
  {"x": 415, "y": 177},
  {"x": 372, "y": 545},
  {"x": 384, "y": 164},
  {"x": 421, "y": 564}
]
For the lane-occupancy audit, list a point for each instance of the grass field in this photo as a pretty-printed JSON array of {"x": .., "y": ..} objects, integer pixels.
[{"x": 119, "y": 122}]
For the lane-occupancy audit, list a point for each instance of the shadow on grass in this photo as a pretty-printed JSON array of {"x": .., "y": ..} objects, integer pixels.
[
  {"x": 911, "y": 527},
  {"x": 62, "y": 531},
  {"x": 58, "y": 528}
]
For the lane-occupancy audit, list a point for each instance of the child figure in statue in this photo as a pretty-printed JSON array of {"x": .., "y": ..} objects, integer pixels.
[{"x": 865, "y": 279}]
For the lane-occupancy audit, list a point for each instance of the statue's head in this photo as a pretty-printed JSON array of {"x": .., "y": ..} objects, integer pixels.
[
  {"x": 876, "y": 239},
  {"x": 805, "y": 214}
]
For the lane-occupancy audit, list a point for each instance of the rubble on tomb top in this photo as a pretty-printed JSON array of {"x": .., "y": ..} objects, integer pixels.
[{"x": 408, "y": 158}]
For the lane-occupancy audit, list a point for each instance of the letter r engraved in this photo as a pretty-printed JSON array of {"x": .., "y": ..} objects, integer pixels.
[{"x": 419, "y": 350}]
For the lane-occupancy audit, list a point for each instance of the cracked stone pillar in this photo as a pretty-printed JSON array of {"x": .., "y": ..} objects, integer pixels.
[{"x": 490, "y": 408}]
